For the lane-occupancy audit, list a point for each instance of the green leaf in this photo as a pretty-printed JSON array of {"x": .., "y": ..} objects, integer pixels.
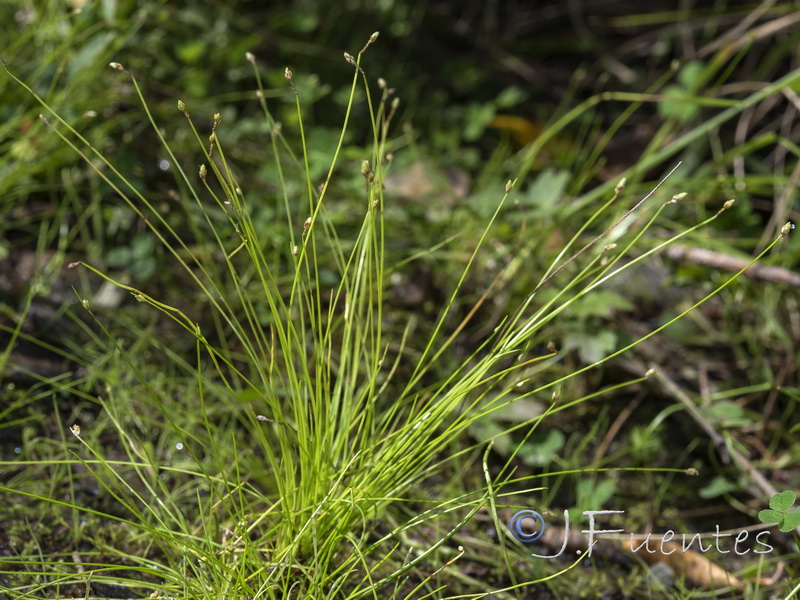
[
  {"x": 790, "y": 521},
  {"x": 602, "y": 303},
  {"x": 544, "y": 192},
  {"x": 593, "y": 495},
  {"x": 681, "y": 108},
  {"x": 143, "y": 268},
  {"x": 120, "y": 256},
  {"x": 717, "y": 487},
  {"x": 510, "y": 97},
  {"x": 783, "y": 501},
  {"x": 604, "y": 491},
  {"x": 143, "y": 245},
  {"x": 691, "y": 75},
  {"x": 248, "y": 395},
  {"x": 539, "y": 450},
  {"x": 770, "y": 516},
  {"x": 485, "y": 429},
  {"x": 192, "y": 52},
  {"x": 477, "y": 117},
  {"x": 592, "y": 346},
  {"x": 727, "y": 414}
]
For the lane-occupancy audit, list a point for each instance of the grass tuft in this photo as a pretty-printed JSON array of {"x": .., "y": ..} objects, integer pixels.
[{"x": 274, "y": 430}]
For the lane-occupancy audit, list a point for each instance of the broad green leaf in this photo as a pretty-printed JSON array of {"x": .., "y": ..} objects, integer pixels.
[
  {"x": 601, "y": 303},
  {"x": 544, "y": 192},
  {"x": 591, "y": 346},
  {"x": 485, "y": 429},
  {"x": 248, "y": 395},
  {"x": 727, "y": 414},
  {"x": 717, "y": 487},
  {"x": 783, "y": 501},
  {"x": 539, "y": 450},
  {"x": 790, "y": 521},
  {"x": 770, "y": 516},
  {"x": 595, "y": 493}
]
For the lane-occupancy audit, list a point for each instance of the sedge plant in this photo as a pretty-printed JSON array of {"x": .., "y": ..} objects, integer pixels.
[{"x": 331, "y": 420}]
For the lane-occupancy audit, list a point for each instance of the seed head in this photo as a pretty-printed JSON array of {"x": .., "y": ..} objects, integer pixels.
[
  {"x": 725, "y": 206},
  {"x": 677, "y": 198}
]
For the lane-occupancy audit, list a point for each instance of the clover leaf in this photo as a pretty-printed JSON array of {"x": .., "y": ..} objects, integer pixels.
[{"x": 781, "y": 512}]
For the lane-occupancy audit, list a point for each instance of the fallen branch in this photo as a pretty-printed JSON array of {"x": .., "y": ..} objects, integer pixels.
[{"x": 726, "y": 262}]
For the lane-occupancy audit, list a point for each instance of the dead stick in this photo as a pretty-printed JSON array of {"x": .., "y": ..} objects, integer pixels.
[
  {"x": 761, "y": 482},
  {"x": 720, "y": 260}
]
